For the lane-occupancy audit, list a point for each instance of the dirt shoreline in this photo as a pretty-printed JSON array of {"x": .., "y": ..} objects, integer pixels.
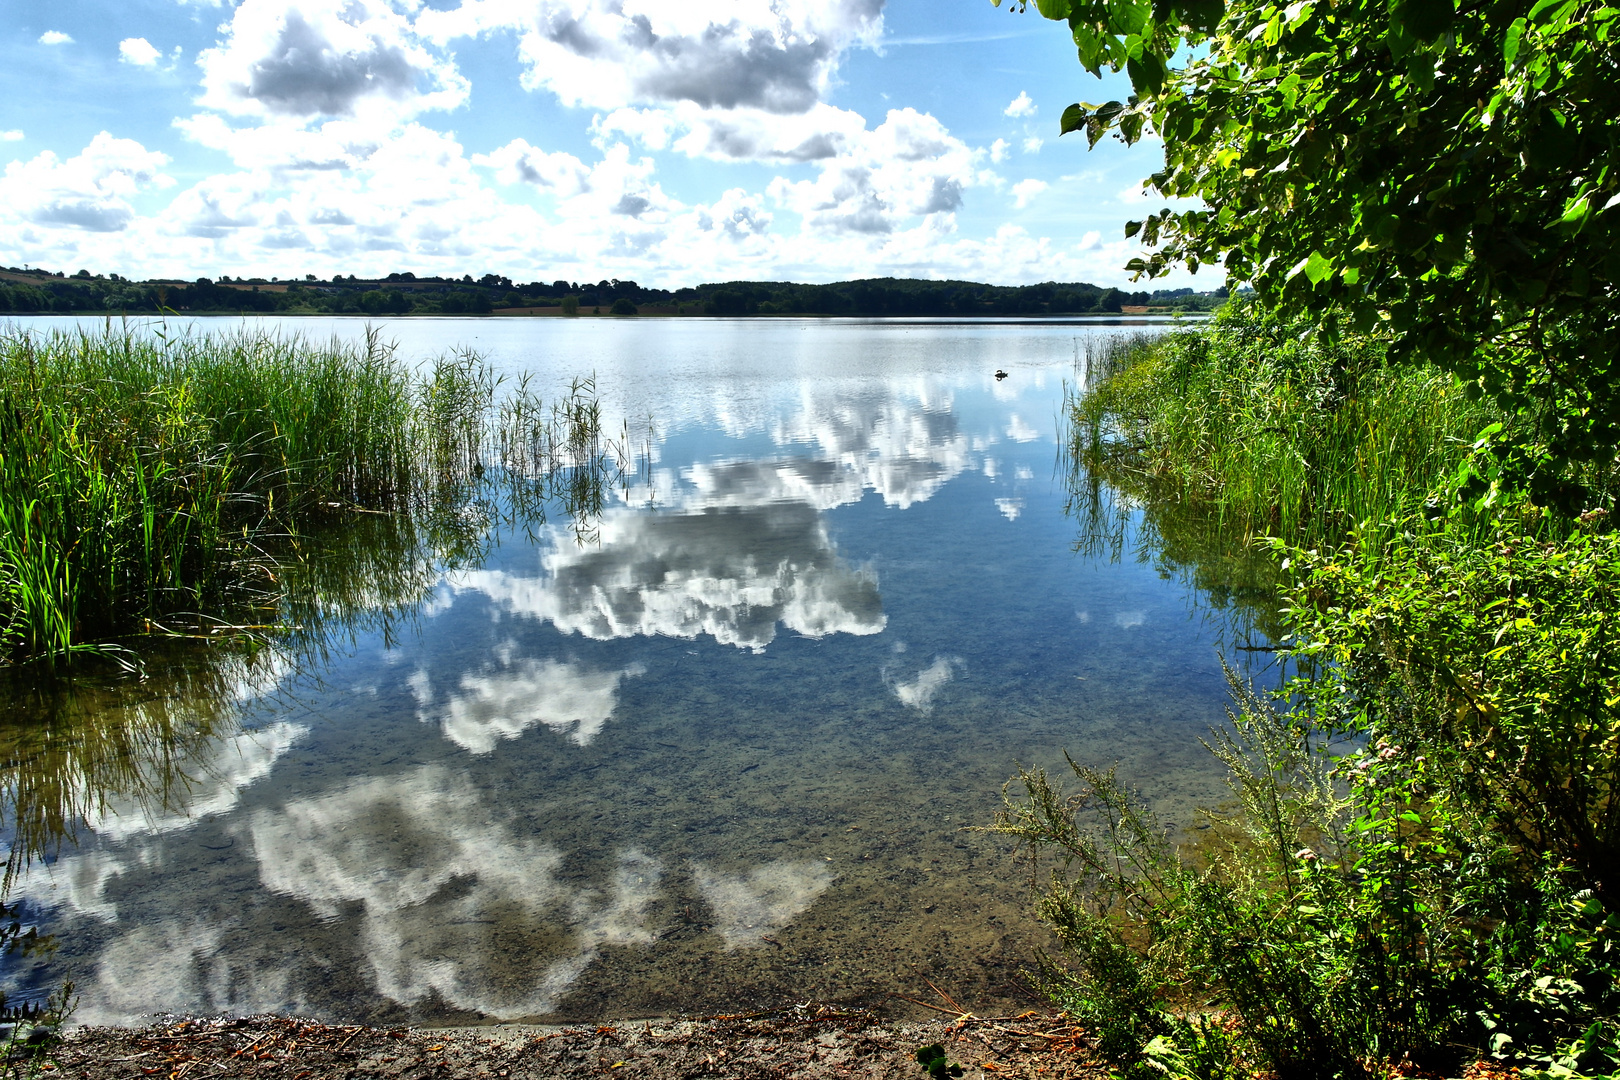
[{"x": 804, "y": 1042}]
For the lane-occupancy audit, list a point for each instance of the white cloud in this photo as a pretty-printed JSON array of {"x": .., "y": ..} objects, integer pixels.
[
  {"x": 55, "y": 37},
  {"x": 998, "y": 151},
  {"x": 1010, "y": 508},
  {"x": 908, "y": 166},
  {"x": 743, "y": 134},
  {"x": 1021, "y": 106},
  {"x": 11, "y": 136},
  {"x": 1033, "y": 144},
  {"x": 518, "y": 162},
  {"x": 303, "y": 59},
  {"x": 89, "y": 191},
  {"x": 777, "y": 56},
  {"x": 1025, "y": 190},
  {"x": 138, "y": 51}
]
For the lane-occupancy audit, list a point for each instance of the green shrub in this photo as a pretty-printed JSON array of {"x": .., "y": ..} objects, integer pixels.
[{"x": 1338, "y": 915}]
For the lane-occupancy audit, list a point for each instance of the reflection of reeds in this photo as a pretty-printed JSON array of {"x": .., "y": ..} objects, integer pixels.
[
  {"x": 153, "y": 482},
  {"x": 67, "y": 747},
  {"x": 199, "y": 487}
]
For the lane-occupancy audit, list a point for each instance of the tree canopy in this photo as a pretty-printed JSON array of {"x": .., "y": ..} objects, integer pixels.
[{"x": 1444, "y": 172}]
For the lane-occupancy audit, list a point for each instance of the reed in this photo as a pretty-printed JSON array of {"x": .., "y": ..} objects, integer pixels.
[
  {"x": 1272, "y": 432},
  {"x": 146, "y": 479}
]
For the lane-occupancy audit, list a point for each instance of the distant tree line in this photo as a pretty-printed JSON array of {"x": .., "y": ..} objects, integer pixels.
[{"x": 33, "y": 291}]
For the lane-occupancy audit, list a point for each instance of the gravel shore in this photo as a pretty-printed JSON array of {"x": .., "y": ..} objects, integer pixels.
[{"x": 804, "y": 1042}]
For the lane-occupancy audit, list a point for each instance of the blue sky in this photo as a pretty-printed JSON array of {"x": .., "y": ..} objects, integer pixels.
[{"x": 659, "y": 140}]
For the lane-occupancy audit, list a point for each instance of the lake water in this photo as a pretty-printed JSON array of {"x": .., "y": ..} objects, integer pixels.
[{"x": 716, "y": 756}]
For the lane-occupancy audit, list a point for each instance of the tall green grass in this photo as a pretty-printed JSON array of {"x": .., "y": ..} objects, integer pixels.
[
  {"x": 1272, "y": 431},
  {"x": 152, "y": 482}
]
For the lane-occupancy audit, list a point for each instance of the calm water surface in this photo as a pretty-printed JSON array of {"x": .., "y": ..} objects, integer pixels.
[{"x": 717, "y": 756}]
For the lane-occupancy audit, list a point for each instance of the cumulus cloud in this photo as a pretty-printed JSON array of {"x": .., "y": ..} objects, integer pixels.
[
  {"x": 817, "y": 134},
  {"x": 11, "y": 136},
  {"x": 1020, "y": 106},
  {"x": 518, "y": 162},
  {"x": 778, "y": 56},
  {"x": 314, "y": 58},
  {"x": 319, "y": 105},
  {"x": 1033, "y": 144},
  {"x": 89, "y": 191},
  {"x": 1025, "y": 190},
  {"x": 138, "y": 51},
  {"x": 55, "y": 37},
  {"x": 908, "y": 166}
]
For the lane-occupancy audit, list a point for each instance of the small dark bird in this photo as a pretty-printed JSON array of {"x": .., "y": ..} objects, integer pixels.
[{"x": 1000, "y": 374}]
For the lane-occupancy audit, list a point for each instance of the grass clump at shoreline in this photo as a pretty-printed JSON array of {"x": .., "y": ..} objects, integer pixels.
[
  {"x": 1276, "y": 431},
  {"x": 141, "y": 477},
  {"x": 149, "y": 480}
]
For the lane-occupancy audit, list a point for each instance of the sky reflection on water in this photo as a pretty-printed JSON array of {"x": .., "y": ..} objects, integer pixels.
[{"x": 717, "y": 757}]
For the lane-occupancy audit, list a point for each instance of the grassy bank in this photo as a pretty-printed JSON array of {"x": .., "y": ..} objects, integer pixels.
[
  {"x": 1441, "y": 889},
  {"x": 151, "y": 484},
  {"x": 1274, "y": 431}
]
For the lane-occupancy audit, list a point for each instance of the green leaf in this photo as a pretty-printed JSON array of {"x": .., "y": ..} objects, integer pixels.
[
  {"x": 1543, "y": 5},
  {"x": 1073, "y": 119},
  {"x": 1202, "y": 15},
  {"x": 1145, "y": 80},
  {"x": 1510, "y": 42},
  {"x": 1053, "y": 9},
  {"x": 1316, "y": 267}
]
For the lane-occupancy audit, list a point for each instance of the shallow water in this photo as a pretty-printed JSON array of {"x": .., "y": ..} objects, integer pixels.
[{"x": 717, "y": 757}]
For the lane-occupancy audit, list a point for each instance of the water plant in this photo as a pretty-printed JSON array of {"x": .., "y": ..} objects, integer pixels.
[
  {"x": 1273, "y": 430},
  {"x": 1337, "y": 917},
  {"x": 155, "y": 483}
]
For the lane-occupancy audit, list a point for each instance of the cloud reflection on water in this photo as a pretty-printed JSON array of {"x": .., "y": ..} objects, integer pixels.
[
  {"x": 748, "y": 906},
  {"x": 918, "y": 693},
  {"x": 175, "y": 795},
  {"x": 506, "y": 701},
  {"x": 733, "y": 573},
  {"x": 450, "y": 901}
]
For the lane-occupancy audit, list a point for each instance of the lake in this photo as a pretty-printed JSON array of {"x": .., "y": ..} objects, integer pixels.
[{"x": 717, "y": 752}]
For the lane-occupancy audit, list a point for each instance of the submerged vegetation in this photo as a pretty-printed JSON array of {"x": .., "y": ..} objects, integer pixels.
[{"x": 198, "y": 484}]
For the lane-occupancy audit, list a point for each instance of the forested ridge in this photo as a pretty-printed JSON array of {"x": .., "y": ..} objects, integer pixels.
[{"x": 35, "y": 291}]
